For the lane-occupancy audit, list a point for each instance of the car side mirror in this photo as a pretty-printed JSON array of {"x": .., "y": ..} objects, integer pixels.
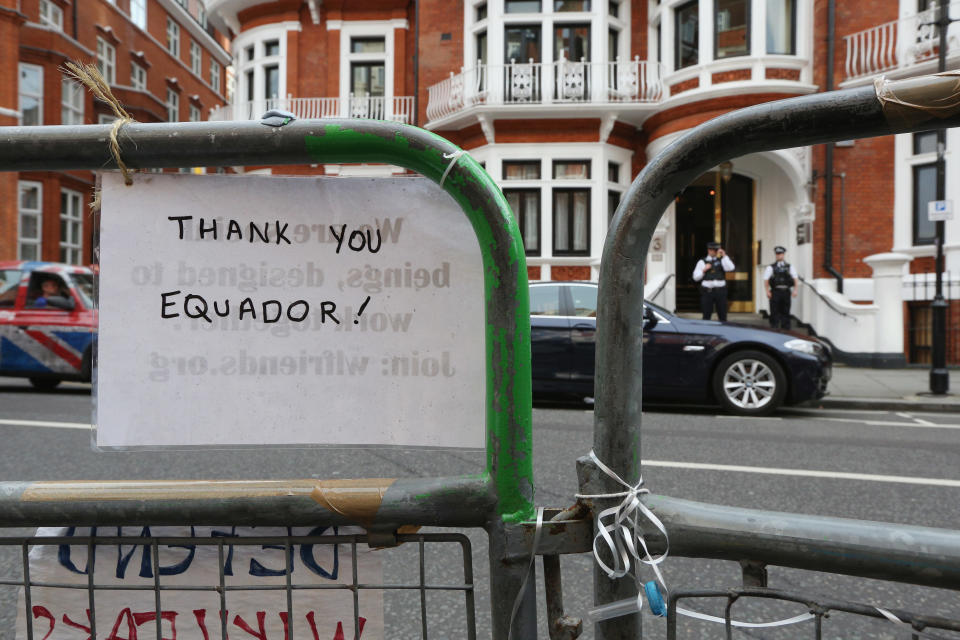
[{"x": 649, "y": 319}]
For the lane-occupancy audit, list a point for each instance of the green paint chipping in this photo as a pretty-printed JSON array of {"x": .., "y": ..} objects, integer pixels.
[{"x": 509, "y": 407}]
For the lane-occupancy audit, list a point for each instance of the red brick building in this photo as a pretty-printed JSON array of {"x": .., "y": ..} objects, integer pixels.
[
  {"x": 564, "y": 101},
  {"x": 163, "y": 62}
]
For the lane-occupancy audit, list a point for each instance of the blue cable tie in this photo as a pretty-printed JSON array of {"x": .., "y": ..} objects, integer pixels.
[{"x": 655, "y": 599}]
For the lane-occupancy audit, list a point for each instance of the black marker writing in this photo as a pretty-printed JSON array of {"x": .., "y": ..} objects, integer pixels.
[{"x": 196, "y": 307}]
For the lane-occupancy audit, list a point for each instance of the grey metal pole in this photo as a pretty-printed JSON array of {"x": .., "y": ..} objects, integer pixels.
[
  {"x": 939, "y": 375},
  {"x": 813, "y": 119}
]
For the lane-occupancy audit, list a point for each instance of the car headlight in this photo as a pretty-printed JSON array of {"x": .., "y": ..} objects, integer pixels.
[{"x": 804, "y": 346}]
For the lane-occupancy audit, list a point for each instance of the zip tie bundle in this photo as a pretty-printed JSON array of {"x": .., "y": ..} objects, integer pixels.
[
  {"x": 89, "y": 75},
  {"x": 619, "y": 528},
  {"x": 452, "y": 157}
]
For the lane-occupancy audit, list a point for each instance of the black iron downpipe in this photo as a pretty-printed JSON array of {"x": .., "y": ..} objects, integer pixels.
[{"x": 828, "y": 160}]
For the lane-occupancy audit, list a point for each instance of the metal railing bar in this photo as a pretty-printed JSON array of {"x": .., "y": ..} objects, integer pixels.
[
  {"x": 355, "y": 589},
  {"x": 156, "y": 588},
  {"x": 466, "y": 550},
  {"x": 222, "y": 590},
  {"x": 824, "y": 605},
  {"x": 423, "y": 592},
  {"x": 660, "y": 289},
  {"x": 27, "y": 601},
  {"x": 91, "y": 599},
  {"x": 826, "y": 300},
  {"x": 246, "y": 587},
  {"x": 288, "y": 559}
]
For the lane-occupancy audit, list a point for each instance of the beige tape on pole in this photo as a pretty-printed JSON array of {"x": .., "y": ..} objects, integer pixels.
[
  {"x": 89, "y": 75},
  {"x": 915, "y": 100},
  {"x": 358, "y": 500}
]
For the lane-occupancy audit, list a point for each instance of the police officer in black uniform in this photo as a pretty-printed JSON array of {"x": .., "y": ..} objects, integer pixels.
[
  {"x": 711, "y": 273},
  {"x": 780, "y": 281}
]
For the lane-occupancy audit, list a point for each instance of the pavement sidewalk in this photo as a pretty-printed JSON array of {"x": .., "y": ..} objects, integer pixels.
[{"x": 888, "y": 390}]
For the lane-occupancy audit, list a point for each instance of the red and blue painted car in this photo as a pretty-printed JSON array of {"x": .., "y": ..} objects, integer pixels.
[{"x": 47, "y": 322}]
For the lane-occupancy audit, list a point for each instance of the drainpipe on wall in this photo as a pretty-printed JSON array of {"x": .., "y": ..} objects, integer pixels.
[
  {"x": 828, "y": 162},
  {"x": 416, "y": 63}
]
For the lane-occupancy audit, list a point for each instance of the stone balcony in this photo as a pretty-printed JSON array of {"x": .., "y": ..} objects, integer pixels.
[
  {"x": 899, "y": 48},
  {"x": 531, "y": 89},
  {"x": 396, "y": 108}
]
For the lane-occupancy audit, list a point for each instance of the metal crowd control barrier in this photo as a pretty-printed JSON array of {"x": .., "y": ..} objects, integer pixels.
[{"x": 501, "y": 500}]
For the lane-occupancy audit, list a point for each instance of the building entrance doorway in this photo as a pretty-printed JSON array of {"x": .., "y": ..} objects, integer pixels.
[{"x": 716, "y": 209}]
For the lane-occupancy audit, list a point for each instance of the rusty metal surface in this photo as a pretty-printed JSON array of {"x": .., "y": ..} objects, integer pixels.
[{"x": 813, "y": 119}]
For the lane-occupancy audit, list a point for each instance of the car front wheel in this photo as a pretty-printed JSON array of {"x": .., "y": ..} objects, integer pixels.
[{"x": 749, "y": 383}]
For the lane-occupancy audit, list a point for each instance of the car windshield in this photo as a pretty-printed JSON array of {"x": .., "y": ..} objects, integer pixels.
[{"x": 84, "y": 286}]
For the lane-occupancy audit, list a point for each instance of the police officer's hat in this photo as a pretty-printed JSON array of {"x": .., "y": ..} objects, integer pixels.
[
  {"x": 779, "y": 249},
  {"x": 713, "y": 245}
]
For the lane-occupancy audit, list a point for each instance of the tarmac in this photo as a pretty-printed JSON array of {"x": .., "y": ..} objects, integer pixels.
[{"x": 888, "y": 390}]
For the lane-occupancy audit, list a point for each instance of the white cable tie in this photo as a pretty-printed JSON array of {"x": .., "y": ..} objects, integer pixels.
[
  {"x": 746, "y": 625},
  {"x": 613, "y": 530},
  {"x": 624, "y": 542},
  {"x": 533, "y": 551},
  {"x": 452, "y": 157}
]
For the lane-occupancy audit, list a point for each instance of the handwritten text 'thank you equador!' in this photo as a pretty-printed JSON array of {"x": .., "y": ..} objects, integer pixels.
[{"x": 358, "y": 239}]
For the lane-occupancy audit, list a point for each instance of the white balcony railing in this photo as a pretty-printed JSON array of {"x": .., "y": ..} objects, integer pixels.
[
  {"x": 895, "y": 45},
  {"x": 398, "y": 108},
  {"x": 560, "y": 82}
]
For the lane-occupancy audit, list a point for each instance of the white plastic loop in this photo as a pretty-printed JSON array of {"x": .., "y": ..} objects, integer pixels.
[
  {"x": 453, "y": 160},
  {"x": 526, "y": 576},
  {"x": 619, "y": 528}
]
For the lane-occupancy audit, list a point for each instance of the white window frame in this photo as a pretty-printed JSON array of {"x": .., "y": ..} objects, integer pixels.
[
  {"x": 138, "y": 13},
  {"x": 72, "y": 97},
  {"x": 494, "y": 24},
  {"x": 36, "y": 213},
  {"x": 663, "y": 13},
  {"x": 26, "y": 94},
  {"x": 51, "y": 15},
  {"x": 138, "y": 77},
  {"x": 599, "y": 156},
  {"x": 257, "y": 38},
  {"x": 214, "y": 75},
  {"x": 173, "y": 37},
  {"x": 106, "y": 118},
  {"x": 71, "y": 220},
  {"x": 107, "y": 60},
  {"x": 195, "y": 113},
  {"x": 196, "y": 58},
  {"x": 173, "y": 105},
  {"x": 367, "y": 29},
  {"x": 904, "y": 162}
]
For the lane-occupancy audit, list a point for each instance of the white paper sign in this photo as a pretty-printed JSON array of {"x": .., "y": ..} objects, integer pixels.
[
  {"x": 285, "y": 311},
  {"x": 64, "y": 613},
  {"x": 940, "y": 210}
]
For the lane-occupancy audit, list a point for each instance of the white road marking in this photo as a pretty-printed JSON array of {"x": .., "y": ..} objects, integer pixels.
[
  {"x": 803, "y": 473},
  {"x": 887, "y": 423},
  {"x": 42, "y": 423},
  {"x": 909, "y": 416},
  {"x": 816, "y": 412}
]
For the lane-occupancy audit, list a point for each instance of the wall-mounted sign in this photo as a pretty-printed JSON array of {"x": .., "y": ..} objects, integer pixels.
[
  {"x": 938, "y": 210},
  {"x": 288, "y": 311}
]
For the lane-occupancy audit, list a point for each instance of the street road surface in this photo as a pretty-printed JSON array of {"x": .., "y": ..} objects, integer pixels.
[{"x": 896, "y": 467}]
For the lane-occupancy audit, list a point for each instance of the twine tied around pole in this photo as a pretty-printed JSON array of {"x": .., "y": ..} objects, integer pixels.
[{"x": 89, "y": 75}]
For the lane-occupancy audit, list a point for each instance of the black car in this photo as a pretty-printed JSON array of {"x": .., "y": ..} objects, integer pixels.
[{"x": 747, "y": 370}]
